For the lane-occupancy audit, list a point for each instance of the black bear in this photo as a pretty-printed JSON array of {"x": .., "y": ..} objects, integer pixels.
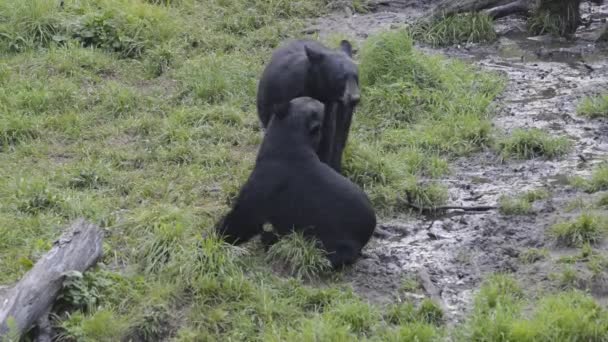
[
  {"x": 292, "y": 189},
  {"x": 308, "y": 68}
]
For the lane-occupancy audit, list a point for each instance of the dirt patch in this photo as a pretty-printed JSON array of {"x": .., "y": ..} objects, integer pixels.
[{"x": 546, "y": 79}]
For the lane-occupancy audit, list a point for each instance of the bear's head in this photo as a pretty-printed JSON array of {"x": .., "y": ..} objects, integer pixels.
[
  {"x": 335, "y": 74},
  {"x": 300, "y": 119}
]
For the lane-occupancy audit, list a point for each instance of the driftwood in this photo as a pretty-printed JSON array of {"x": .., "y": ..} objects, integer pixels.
[
  {"x": 494, "y": 8},
  {"x": 516, "y": 7},
  {"x": 408, "y": 201},
  {"x": 30, "y": 300}
]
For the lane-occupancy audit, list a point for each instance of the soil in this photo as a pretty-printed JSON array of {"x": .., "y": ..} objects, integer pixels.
[{"x": 546, "y": 79}]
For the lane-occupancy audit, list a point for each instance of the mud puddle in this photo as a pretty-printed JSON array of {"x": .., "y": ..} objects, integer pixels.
[{"x": 546, "y": 79}]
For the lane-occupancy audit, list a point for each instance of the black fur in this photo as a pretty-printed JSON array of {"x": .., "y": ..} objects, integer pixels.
[
  {"x": 308, "y": 68},
  {"x": 293, "y": 190}
]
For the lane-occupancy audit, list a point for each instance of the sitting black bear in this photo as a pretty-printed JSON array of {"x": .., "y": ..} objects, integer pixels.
[
  {"x": 308, "y": 68},
  {"x": 293, "y": 190}
]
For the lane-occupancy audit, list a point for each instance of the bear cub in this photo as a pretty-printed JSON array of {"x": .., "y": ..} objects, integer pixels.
[
  {"x": 307, "y": 68},
  {"x": 293, "y": 190}
]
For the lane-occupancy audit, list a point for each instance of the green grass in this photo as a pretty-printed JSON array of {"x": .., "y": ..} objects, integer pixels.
[
  {"x": 455, "y": 29},
  {"x": 300, "y": 256},
  {"x": 502, "y": 313},
  {"x": 520, "y": 204},
  {"x": 140, "y": 116},
  {"x": 597, "y": 182},
  {"x": 533, "y": 255},
  {"x": 587, "y": 228},
  {"x": 593, "y": 106},
  {"x": 532, "y": 143},
  {"x": 414, "y": 119}
]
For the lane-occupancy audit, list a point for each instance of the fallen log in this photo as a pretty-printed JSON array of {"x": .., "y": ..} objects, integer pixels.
[
  {"x": 33, "y": 296},
  {"x": 516, "y": 7}
]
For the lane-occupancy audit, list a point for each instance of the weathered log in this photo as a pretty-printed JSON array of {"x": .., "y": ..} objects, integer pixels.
[
  {"x": 448, "y": 7},
  {"x": 33, "y": 296},
  {"x": 516, "y": 7}
]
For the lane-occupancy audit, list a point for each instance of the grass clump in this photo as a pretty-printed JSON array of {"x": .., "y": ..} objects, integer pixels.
[
  {"x": 533, "y": 255},
  {"x": 594, "y": 106},
  {"x": 597, "y": 182},
  {"x": 416, "y": 118},
  {"x": 300, "y": 255},
  {"x": 560, "y": 18},
  {"x": 533, "y": 143},
  {"x": 427, "y": 312},
  {"x": 587, "y": 228},
  {"x": 521, "y": 204},
  {"x": 455, "y": 29},
  {"x": 565, "y": 316}
]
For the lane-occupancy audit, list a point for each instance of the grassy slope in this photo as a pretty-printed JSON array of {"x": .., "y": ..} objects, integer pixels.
[{"x": 150, "y": 131}]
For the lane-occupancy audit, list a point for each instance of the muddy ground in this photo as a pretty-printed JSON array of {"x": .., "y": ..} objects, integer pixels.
[{"x": 546, "y": 79}]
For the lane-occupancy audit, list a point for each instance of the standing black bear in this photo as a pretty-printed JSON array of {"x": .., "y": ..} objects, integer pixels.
[
  {"x": 293, "y": 190},
  {"x": 307, "y": 68}
]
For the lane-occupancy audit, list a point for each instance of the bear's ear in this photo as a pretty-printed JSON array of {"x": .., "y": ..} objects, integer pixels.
[
  {"x": 314, "y": 56},
  {"x": 346, "y": 47},
  {"x": 314, "y": 126},
  {"x": 280, "y": 110}
]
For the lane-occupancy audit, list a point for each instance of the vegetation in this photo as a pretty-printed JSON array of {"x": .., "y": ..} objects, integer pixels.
[
  {"x": 597, "y": 182},
  {"x": 533, "y": 255},
  {"x": 587, "y": 228},
  {"x": 420, "y": 111},
  {"x": 140, "y": 116},
  {"x": 455, "y": 29},
  {"x": 521, "y": 204},
  {"x": 594, "y": 106},
  {"x": 560, "y": 18},
  {"x": 501, "y": 313},
  {"x": 300, "y": 256},
  {"x": 533, "y": 143}
]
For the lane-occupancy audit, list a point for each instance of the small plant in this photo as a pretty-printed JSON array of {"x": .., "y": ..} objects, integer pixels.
[
  {"x": 43, "y": 200},
  {"x": 410, "y": 284},
  {"x": 154, "y": 324},
  {"x": 84, "y": 291},
  {"x": 401, "y": 313},
  {"x": 429, "y": 312},
  {"x": 426, "y": 195},
  {"x": 568, "y": 279},
  {"x": 87, "y": 180},
  {"x": 521, "y": 204},
  {"x": 533, "y": 255},
  {"x": 455, "y": 29},
  {"x": 358, "y": 316},
  {"x": 533, "y": 143},
  {"x": 404, "y": 313},
  {"x": 587, "y": 228},
  {"x": 300, "y": 255},
  {"x": 594, "y": 106},
  {"x": 514, "y": 206}
]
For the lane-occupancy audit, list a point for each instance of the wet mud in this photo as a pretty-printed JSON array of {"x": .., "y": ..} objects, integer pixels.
[{"x": 547, "y": 77}]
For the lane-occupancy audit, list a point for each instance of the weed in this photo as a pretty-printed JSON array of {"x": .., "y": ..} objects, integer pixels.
[
  {"x": 358, "y": 316},
  {"x": 594, "y": 106},
  {"x": 599, "y": 179},
  {"x": 533, "y": 143},
  {"x": 429, "y": 312},
  {"x": 455, "y": 29},
  {"x": 426, "y": 195},
  {"x": 410, "y": 284},
  {"x": 300, "y": 255},
  {"x": 587, "y": 228},
  {"x": 521, "y": 204},
  {"x": 568, "y": 279},
  {"x": 533, "y": 255}
]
